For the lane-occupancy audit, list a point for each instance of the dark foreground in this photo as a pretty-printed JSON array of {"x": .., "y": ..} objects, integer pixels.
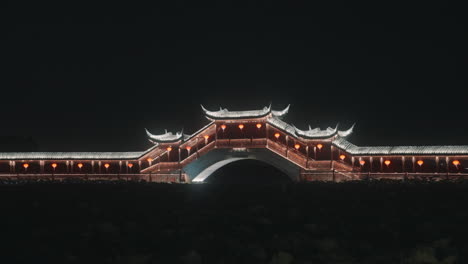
[{"x": 119, "y": 222}]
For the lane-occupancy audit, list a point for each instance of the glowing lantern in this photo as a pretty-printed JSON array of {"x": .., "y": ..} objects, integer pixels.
[
  {"x": 106, "y": 165},
  {"x": 149, "y": 160},
  {"x": 25, "y": 165},
  {"x": 342, "y": 157},
  {"x": 319, "y": 146},
  {"x": 130, "y": 165},
  {"x": 277, "y": 135},
  {"x": 387, "y": 162},
  {"x": 206, "y": 136},
  {"x": 169, "y": 148},
  {"x": 362, "y": 162},
  {"x": 188, "y": 148},
  {"x": 241, "y": 126},
  {"x": 420, "y": 162},
  {"x": 297, "y": 146},
  {"x": 456, "y": 162},
  {"x": 80, "y": 165},
  {"x": 223, "y": 126},
  {"x": 54, "y": 165},
  {"x": 259, "y": 125}
]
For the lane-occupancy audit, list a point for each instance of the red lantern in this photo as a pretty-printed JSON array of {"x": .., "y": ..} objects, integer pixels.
[
  {"x": 80, "y": 165},
  {"x": 277, "y": 135},
  {"x": 130, "y": 165},
  {"x": 387, "y": 162},
  {"x": 297, "y": 146},
  {"x": 25, "y": 165},
  {"x": 54, "y": 165},
  {"x": 259, "y": 125},
  {"x": 241, "y": 126},
  {"x": 206, "y": 137},
  {"x": 106, "y": 165},
  {"x": 420, "y": 162},
  {"x": 149, "y": 159},
  {"x": 223, "y": 126},
  {"x": 342, "y": 157},
  {"x": 319, "y": 146},
  {"x": 362, "y": 162},
  {"x": 188, "y": 148},
  {"x": 456, "y": 162},
  {"x": 169, "y": 148}
]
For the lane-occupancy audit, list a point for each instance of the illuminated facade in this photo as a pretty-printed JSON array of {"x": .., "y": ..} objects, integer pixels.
[{"x": 304, "y": 155}]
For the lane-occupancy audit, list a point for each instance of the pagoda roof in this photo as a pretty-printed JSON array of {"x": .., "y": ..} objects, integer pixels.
[
  {"x": 399, "y": 150},
  {"x": 224, "y": 113},
  {"x": 166, "y": 137},
  {"x": 315, "y": 133}
]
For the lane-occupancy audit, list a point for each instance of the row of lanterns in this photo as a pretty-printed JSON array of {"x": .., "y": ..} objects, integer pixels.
[
  {"x": 388, "y": 162},
  {"x": 79, "y": 165},
  {"x": 241, "y": 126}
]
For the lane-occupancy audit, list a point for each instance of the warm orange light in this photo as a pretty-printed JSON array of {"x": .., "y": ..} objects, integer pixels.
[
  {"x": 387, "y": 162},
  {"x": 342, "y": 157},
  {"x": 362, "y": 162},
  {"x": 25, "y": 165},
  {"x": 149, "y": 159},
  {"x": 241, "y": 126},
  {"x": 130, "y": 165},
  {"x": 80, "y": 165},
  {"x": 169, "y": 148},
  {"x": 54, "y": 165},
  {"x": 319, "y": 146},
  {"x": 277, "y": 135},
  {"x": 188, "y": 147},
  {"x": 106, "y": 165},
  {"x": 456, "y": 162},
  {"x": 223, "y": 126},
  {"x": 420, "y": 162},
  {"x": 259, "y": 125},
  {"x": 297, "y": 146},
  {"x": 206, "y": 136}
]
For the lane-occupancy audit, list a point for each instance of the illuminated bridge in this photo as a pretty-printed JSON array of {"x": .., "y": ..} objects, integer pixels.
[{"x": 230, "y": 136}]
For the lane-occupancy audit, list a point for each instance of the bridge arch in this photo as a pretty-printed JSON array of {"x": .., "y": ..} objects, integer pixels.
[{"x": 199, "y": 170}]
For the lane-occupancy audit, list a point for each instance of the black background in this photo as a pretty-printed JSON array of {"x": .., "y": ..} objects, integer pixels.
[{"x": 91, "y": 76}]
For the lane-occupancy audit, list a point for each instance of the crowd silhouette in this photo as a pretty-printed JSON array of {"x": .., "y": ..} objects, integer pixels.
[{"x": 372, "y": 221}]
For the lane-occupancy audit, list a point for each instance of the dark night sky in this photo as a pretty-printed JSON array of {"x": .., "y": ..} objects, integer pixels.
[{"x": 78, "y": 77}]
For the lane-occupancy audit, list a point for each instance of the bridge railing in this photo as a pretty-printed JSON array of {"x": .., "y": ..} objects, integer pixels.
[
  {"x": 241, "y": 143},
  {"x": 150, "y": 177}
]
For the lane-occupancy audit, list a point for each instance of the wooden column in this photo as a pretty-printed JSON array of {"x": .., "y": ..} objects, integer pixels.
[
  {"x": 92, "y": 166},
  {"x": 413, "y": 160},
  {"x": 331, "y": 156},
  {"x": 371, "y": 160},
  {"x": 381, "y": 164},
  {"x": 99, "y": 167},
  {"x": 447, "y": 164},
  {"x": 41, "y": 166},
  {"x": 437, "y": 164},
  {"x": 216, "y": 138},
  {"x": 352, "y": 163},
  {"x": 402, "y": 163}
]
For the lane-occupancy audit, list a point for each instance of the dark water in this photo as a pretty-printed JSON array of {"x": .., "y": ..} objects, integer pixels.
[{"x": 124, "y": 222}]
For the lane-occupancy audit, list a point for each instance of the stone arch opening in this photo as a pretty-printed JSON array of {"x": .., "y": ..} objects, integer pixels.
[{"x": 243, "y": 170}]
